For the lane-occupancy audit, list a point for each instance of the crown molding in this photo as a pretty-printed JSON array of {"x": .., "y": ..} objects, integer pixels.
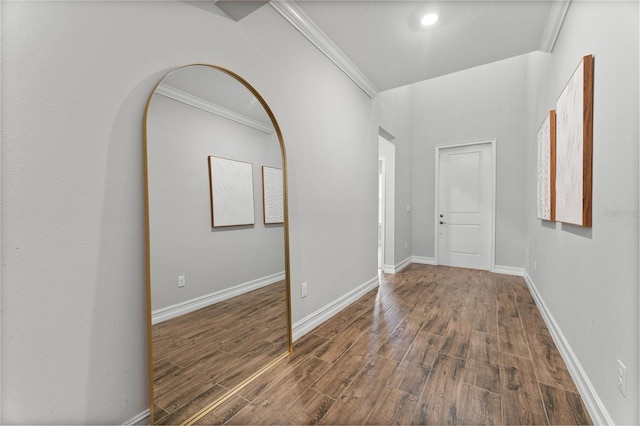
[
  {"x": 194, "y": 101},
  {"x": 300, "y": 21},
  {"x": 554, "y": 23}
]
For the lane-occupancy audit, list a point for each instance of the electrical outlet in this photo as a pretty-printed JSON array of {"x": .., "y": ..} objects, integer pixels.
[
  {"x": 303, "y": 290},
  {"x": 406, "y": 245},
  {"x": 621, "y": 378},
  {"x": 535, "y": 265},
  {"x": 181, "y": 281}
]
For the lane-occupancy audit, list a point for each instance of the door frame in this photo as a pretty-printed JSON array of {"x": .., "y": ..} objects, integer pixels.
[
  {"x": 384, "y": 145},
  {"x": 382, "y": 182},
  {"x": 492, "y": 195}
]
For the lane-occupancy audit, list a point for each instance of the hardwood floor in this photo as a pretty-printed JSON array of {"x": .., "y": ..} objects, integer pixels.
[
  {"x": 431, "y": 345},
  {"x": 199, "y": 356}
]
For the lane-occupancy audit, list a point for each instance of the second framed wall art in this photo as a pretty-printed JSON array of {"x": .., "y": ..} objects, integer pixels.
[
  {"x": 272, "y": 195},
  {"x": 547, "y": 168},
  {"x": 565, "y": 152}
]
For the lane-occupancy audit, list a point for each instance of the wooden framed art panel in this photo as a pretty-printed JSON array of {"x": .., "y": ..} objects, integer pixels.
[
  {"x": 546, "y": 207},
  {"x": 574, "y": 147},
  {"x": 231, "y": 187},
  {"x": 272, "y": 195}
]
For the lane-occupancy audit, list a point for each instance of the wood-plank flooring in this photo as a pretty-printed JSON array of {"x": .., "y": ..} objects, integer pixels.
[
  {"x": 431, "y": 345},
  {"x": 199, "y": 356}
]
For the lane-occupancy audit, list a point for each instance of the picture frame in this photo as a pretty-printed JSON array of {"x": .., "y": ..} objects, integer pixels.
[
  {"x": 231, "y": 192},
  {"x": 272, "y": 195},
  {"x": 574, "y": 147},
  {"x": 546, "y": 166}
]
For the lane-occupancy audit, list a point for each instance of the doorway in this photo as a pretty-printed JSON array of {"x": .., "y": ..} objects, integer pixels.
[
  {"x": 465, "y": 205},
  {"x": 381, "y": 209},
  {"x": 386, "y": 205}
]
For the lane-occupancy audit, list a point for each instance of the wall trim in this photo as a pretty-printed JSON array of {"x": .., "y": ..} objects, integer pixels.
[
  {"x": 139, "y": 419},
  {"x": 311, "y": 321},
  {"x": 509, "y": 270},
  {"x": 554, "y": 23},
  {"x": 423, "y": 260},
  {"x": 213, "y": 108},
  {"x": 400, "y": 266},
  {"x": 301, "y": 22},
  {"x": 498, "y": 269},
  {"x": 389, "y": 269},
  {"x": 394, "y": 269},
  {"x": 164, "y": 314},
  {"x": 592, "y": 401}
]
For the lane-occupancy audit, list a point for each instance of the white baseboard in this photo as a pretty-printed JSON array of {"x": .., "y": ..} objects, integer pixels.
[
  {"x": 394, "y": 269},
  {"x": 389, "y": 269},
  {"x": 313, "y": 320},
  {"x": 592, "y": 401},
  {"x": 423, "y": 260},
  {"x": 498, "y": 269},
  {"x": 400, "y": 266},
  {"x": 163, "y": 314},
  {"x": 140, "y": 419},
  {"x": 509, "y": 270}
]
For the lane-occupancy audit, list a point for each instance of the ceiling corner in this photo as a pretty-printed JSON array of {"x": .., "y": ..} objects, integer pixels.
[{"x": 554, "y": 23}]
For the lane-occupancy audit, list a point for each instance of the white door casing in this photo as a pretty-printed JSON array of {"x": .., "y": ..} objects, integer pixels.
[
  {"x": 465, "y": 205},
  {"x": 381, "y": 213},
  {"x": 386, "y": 152}
]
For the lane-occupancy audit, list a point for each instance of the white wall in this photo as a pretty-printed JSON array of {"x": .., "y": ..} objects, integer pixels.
[
  {"x": 481, "y": 103},
  {"x": 333, "y": 163},
  {"x": 75, "y": 80},
  {"x": 182, "y": 241},
  {"x": 588, "y": 278}
]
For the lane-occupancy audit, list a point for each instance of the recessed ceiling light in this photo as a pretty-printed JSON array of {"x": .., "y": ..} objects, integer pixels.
[{"x": 429, "y": 19}]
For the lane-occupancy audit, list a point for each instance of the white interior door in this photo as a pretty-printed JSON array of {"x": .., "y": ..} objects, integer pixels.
[{"x": 465, "y": 202}]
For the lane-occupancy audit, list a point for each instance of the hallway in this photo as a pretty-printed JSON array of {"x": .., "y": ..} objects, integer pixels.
[{"x": 431, "y": 345}]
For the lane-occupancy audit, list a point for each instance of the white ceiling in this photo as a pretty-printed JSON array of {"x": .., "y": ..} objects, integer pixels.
[
  {"x": 387, "y": 43},
  {"x": 381, "y": 44}
]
